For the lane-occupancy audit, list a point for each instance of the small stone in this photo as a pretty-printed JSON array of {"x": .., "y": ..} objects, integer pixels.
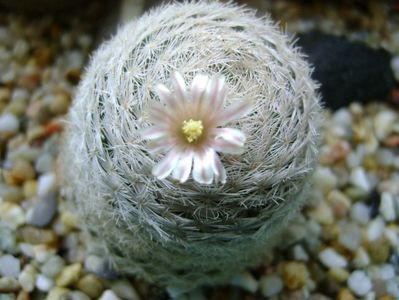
[
  {"x": 359, "y": 283},
  {"x": 300, "y": 253},
  {"x": 29, "y": 188},
  {"x": 322, "y": 214},
  {"x": 345, "y": 294},
  {"x": 70, "y": 220},
  {"x": 379, "y": 250},
  {"x": 339, "y": 274},
  {"x": 109, "y": 295},
  {"x": 53, "y": 266},
  {"x": 44, "y": 283},
  {"x": 383, "y": 123},
  {"x": 9, "y": 285},
  {"x": 44, "y": 211},
  {"x": 350, "y": 236},
  {"x": 60, "y": 104},
  {"x": 358, "y": 178},
  {"x": 361, "y": 259},
  {"x": 69, "y": 275},
  {"x": 57, "y": 293},
  {"x": 35, "y": 236},
  {"x": 271, "y": 285},
  {"x": 11, "y": 193},
  {"x": 295, "y": 275},
  {"x": 9, "y": 266},
  {"x": 46, "y": 184},
  {"x": 324, "y": 179},
  {"x": 22, "y": 170},
  {"x": 91, "y": 285},
  {"x": 27, "y": 278},
  {"x": 77, "y": 295},
  {"x": 245, "y": 281},
  {"x": 12, "y": 215},
  {"x": 393, "y": 288},
  {"x": 124, "y": 290},
  {"x": 339, "y": 203},
  {"x": 387, "y": 207},
  {"x": 44, "y": 163},
  {"x": 375, "y": 229},
  {"x": 22, "y": 295},
  {"x": 360, "y": 213},
  {"x": 387, "y": 272},
  {"x": 9, "y": 124},
  {"x": 331, "y": 259}
]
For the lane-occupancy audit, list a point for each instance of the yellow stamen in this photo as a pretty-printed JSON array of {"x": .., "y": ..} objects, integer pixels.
[{"x": 192, "y": 130}]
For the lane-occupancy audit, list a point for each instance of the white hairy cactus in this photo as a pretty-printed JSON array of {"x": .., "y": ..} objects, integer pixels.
[{"x": 184, "y": 232}]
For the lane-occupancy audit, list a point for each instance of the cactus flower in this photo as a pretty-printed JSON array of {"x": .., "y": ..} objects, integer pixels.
[{"x": 187, "y": 125}]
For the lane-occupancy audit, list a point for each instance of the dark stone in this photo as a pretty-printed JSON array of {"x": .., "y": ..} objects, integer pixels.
[
  {"x": 347, "y": 71},
  {"x": 44, "y": 211},
  {"x": 373, "y": 201}
]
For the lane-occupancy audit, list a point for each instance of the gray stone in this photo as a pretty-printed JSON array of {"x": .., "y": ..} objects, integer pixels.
[
  {"x": 9, "y": 266},
  {"x": 44, "y": 211}
]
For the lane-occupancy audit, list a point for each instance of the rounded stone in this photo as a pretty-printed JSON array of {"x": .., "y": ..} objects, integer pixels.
[
  {"x": 271, "y": 285},
  {"x": 91, "y": 285},
  {"x": 69, "y": 275},
  {"x": 295, "y": 275}
]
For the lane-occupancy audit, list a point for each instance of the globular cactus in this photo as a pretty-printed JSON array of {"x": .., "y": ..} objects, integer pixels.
[{"x": 191, "y": 231}]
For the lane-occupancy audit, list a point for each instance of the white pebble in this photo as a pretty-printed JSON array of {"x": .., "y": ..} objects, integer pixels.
[
  {"x": 44, "y": 163},
  {"x": 387, "y": 272},
  {"x": 12, "y": 215},
  {"x": 8, "y": 123},
  {"x": 109, "y": 295},
  {"x": 44, "y": 283},
  {"x": 324, "y": 179},
  {"x": 359, "y": 283},
  {"x": 383, "y": 123},
  {"x": 300, "y": 253},
  {"x": 271, "y": 285},
  {"x": 124, "y": 290},
  {"x": 9, "y": 266},
  {"x": 393, "y": 288},
  {"x": 395, "y": 66},
  {"x": 245, "y": 281},
  {"x": 361, "y": 259},
  {"x": 332, "y": 259},
  {"x": 46, "y": 184},
  {"x": 360, "y": 213},
  {"x": 350, "y": 236},
  {"x": 387, "y": 207},
  {"x": 358, "y": 178},
  {"x": 376, "y": 229},
  {"x": 27, "y": 278}
]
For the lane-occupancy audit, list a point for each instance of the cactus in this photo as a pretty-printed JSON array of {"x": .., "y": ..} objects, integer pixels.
[{"x": 187, "y": 233}]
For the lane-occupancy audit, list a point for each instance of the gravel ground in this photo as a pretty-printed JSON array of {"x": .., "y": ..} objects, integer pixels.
[{"x": 344, "y": 245}]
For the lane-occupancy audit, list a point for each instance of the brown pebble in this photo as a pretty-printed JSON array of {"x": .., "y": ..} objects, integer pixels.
[
  {"x": 91, "y": 285},
  {"x": 392, "y": 141},
  {"x": 9, "y": 285},
  {"x": 30, "y": 81},
  {"x": 73, "y": 76},
  {"x": 5, "y": 94},
  {"x": 60, "y": 104},
  {"x": 43, "y": 56},
  {"x": 345, "y": 294},
  {"x": 22, "y": 295},
  {"x": 30, "y": 188},
  {"x": 378, "y": 250},
  {"x": 37, "y": 236},
  {"x": 22, "y": 170},
  {"x": 295, "y": 275}
]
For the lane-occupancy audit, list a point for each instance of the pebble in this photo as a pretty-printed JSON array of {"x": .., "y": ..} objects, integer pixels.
[
  {"x": 27, "y": 278},
  {"x": 109, "y": 295},
  {"x": 8, "y": 241},
  {"x": 44, "y": 163},
  {"x": 46, "y": 184},
  {"x": 322, "y": 214},
  {"x": 57, "y": 293},
  {"x": 91, "y": 285},
  {"x": 12, "y": 215},
  {"x": 69, "y": 275},
  {"x": 339, "y": 203},
  {"x": 44, "y": 283},
  {"x": 350, "y": 236},
  {"x": 9, "y": 285},
  {"x": 387, "y": 207},
  {"x": 22, "y": 295},
  {"x": 379, "y": 250},
  {"x": 295, "y": 275},
  {"x": 361, "y": 259},
  {"x": 9, "y": 266},
  {"x": 10, "y": 193},
  {"x": 358, "y": 178},
  {"x": 44, "y": 211},
  {"x": 271, "y": 285},
  {"x": 77, "y": 295},
  {"x": 9, "y": 124},
  {"x": 339, "y": 274},
  {"x": 300, "y": 253},
  {"x": 360, "y": 213},
  {"x": 395, "y": 66},
  {"x": 29, "y": 188},
  {"x": 245, "y": 281},
  {"x": 53, "y": 266},
  {"x": 324, "y": 179},
  {"x": 22, "y": 170},
  {"x": 383, "y": 123},
  {"x": 359, "y": 283},
  {"x": 332, "y": 259},
  {"x": 345, "y": 294},
  {"x": 375, "y": 229},
  {"x": 35, "y": 236}
]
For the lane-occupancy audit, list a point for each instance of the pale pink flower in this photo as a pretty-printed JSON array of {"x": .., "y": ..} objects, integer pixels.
[{"x": 187, "y": 127}]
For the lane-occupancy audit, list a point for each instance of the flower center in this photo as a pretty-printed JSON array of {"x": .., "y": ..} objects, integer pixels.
[{"x": 192, "y": 130}]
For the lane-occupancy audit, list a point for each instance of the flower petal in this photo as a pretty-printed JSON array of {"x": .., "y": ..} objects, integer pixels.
[
  {"x": 183, "y": 168},
  {"x": 179, "y": 87},
  {"x": 166, "y": 97},
  {"x": 154, "y": 132},
  {"x": 166, "y": 165},
  {"x": 160, "y": 114},
  {"x": 231, "y": 135},
  {"x": 203, "y": 171},
  {"x": 198, "y": 87},
  {"x": 219, "y": 170},
  {"x": 233, "y": 112},
  {"x": 164, "y": 144},
  {"x": 221, "y": 145}
]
